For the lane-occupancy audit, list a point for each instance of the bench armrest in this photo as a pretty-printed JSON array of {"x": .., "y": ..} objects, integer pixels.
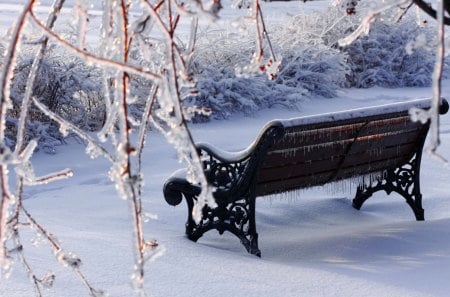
[{"x": 222, "y": 155}]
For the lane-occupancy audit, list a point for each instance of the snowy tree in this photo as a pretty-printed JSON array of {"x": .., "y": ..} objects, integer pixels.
[{"x": 142, "y": 67}]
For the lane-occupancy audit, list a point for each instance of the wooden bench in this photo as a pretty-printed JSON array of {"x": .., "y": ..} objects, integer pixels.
[{"x": 304, "y": 152}]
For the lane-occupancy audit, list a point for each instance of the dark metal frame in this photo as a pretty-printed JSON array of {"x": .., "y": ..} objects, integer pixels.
[
  {"x": 235, "y": 187},
  {"x": 404, "y": 180},
  {"x": 235, "y": 193}
]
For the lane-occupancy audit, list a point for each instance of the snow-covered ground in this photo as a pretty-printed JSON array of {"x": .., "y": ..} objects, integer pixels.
[{"x": 313, "y": 243}]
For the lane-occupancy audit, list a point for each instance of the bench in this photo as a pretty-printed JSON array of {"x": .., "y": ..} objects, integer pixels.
[{"x": 304, "y": 152}]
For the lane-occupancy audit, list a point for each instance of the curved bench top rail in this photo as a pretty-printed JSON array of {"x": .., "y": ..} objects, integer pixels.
[{"x": 364, "y": 112}]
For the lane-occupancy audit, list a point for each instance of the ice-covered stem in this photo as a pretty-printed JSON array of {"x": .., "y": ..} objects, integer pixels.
[
  {"x": 143, "y": 129},
  {"x": 56, "y": 8},
  {"x": 5, "y": 103},
  {"x": 432, "y": 114},
  {"x": 8, "y": 66},
  {"x": 4, "y": 218},
  {"x": 437, "y": 75},
  {"x": 261, "y": 32},
  {"x": 82, "y": 18},
  {"x": 18, "y": 246},
  {"x": 126, "y": 181}
]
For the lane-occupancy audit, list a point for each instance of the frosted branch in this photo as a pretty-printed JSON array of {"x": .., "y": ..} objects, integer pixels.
[
  {"x": 364, "y": 27},
  {"x": 437, "y": 75},
  {"x": 32, "y": 76}
]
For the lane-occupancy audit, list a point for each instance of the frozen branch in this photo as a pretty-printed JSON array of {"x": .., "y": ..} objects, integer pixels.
[
  {"x": 32, "y": 76},
  {"x": 364, "y": 27}
]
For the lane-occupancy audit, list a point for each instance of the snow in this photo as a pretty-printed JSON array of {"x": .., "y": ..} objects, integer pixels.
[
  {"x": 313, "y": 243},
  {"x": 359, "y": 112}
]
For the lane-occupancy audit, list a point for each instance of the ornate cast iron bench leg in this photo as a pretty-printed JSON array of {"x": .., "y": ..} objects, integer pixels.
[
  {"x": 237, "y": 217},
  {"x": 404, "y": 180}
]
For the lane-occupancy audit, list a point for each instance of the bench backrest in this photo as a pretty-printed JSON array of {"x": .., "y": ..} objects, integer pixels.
[{"x": 322, "y": 149}]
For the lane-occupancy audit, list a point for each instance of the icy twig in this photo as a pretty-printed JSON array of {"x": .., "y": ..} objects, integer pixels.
[
  {"x": 56, "y": 8},
  {"x": 437, "y": 75},
  {"x": 144, "y": 125},
  {"x": 432, "y": 114},
  {"x": 126, "y": 181},
  {"x": 81, "y": 16},
  {"x": 264, "y": 31}
]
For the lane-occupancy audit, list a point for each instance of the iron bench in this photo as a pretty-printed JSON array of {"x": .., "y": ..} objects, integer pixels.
[{"x": 305, "y": 152}]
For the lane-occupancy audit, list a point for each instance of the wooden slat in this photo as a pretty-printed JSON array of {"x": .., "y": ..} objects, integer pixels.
[
  {"x": 302, "y": 135},
  {"x": 333, "y": 163},
  {"x": 327, "y": 150}
]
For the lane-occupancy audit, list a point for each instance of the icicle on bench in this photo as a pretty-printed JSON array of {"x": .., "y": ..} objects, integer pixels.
[{"x": 306, "y": 152}]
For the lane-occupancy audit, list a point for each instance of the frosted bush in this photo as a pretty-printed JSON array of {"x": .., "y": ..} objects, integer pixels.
[
  {"x": 67, "y": 86},
  {"x": 381, "y": 57},
  {"x": 306, "y": 71}
]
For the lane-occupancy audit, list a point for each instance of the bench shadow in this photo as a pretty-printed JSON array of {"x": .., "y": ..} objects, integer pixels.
[{"x": 383, "y": 242}]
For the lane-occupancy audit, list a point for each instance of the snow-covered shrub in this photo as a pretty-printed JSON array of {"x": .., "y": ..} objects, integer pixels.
[
  {"x": 67, "y": 86},
  {"x": 306, "y": 71},
  {"x": 382, "y": 57}
]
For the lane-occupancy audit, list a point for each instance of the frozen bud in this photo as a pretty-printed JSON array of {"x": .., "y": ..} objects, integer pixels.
[
  {"x": 69, "y": 259},
  {"x": 48, "y": 280},
  {"x": 150, "y": 244},
  {"x": 241, "y": 4},
  {"x": 348, "y": 5},
  {"x": 93, "y": 150},
  {"x": 215, "y": 7}
]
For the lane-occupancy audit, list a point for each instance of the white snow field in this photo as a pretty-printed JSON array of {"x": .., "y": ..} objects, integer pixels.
[{"x": 313, "y": 243}]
